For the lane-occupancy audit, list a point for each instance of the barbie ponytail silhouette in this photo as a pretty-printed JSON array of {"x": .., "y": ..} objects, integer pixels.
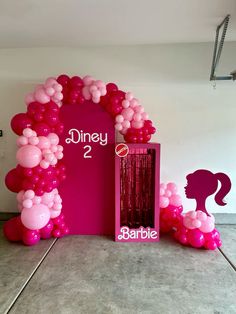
[{"x": 203, "y": 183}]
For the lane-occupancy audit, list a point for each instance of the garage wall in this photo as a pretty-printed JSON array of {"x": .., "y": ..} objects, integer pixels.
[{"x": 196, "y": 123}]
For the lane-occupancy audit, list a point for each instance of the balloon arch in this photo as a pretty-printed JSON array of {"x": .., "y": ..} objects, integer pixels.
[{"x": 40, "y": 168}]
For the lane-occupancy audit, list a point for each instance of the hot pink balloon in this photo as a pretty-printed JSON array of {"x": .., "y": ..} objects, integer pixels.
[
  {"x": 29, "y": 156},
  {"x": 36, "y": 217}
]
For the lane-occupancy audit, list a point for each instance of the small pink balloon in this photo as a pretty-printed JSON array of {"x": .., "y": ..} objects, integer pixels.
[
  {"x": 145, "y": 116},
  {"x": 208, "y": 225},
  {"x": 28, "y": 132},
  {"x": 97, "y": 94},
  {"x": 137, "y": 124},
  {"x": 163, "y": 186},
  {"x": 129, "y": 96},
  {"x": 187, "y": 222},
  {"x": 162, "y": 192},
  {"x": 27, "y": 203},
  {"x": 29, "y": 98},
  {"x": 176, "y": 200},
  {"x": 196, "y": 238},
  {"x": 172, "y": 187},
  {"x": 53, "y": 138},
  {"x": 88, "y": 80},
  {"x": 44, "y": 164},
  {"x": 30, "y": 237},
  {"x": 44, "y": 142},
  {"x": 119, "y": 118},
  {"x": 41, "y": 96},
  {"x": 50, "y": 81},
  {"x": 50, "y": 91},
  {"x": 137, "y": 117},
  {"x": 164, "y": 202},
  {"x": 33, "y": 140},
  {"x": 54, "y": 213},
  {"x": 36, "y": 217},
  {"x": 196, "y": 223},
  {"x": 126, "y": 124},
  {"x": 167, "y": 194},
  {"x": 29, "y": 156},
  {"x": 127, "y": 114},
  {"x": 29, "y": 194},
  {"x": 201, "y": 215},
  {"x": 22, "y": 140},
  {"x": 125, "y": 103}
]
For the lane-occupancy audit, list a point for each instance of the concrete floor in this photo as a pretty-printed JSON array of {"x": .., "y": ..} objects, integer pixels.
[{"x": 90, "y": 274}]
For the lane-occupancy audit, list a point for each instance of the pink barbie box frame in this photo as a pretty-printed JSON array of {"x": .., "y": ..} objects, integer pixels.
[{"x": 139, "y": 234}]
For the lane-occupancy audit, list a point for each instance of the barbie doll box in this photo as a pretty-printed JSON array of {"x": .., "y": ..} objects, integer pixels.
[{"x": 137, "y": 179}]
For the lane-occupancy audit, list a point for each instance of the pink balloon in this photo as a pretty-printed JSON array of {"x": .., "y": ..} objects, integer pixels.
[
  {"x": 36, "y": 217},
  {"x": 46, "y": 231},
  {"x": 41, "y": 96},
  {"x": 29, "y": 98},
  {"x": 164, "y": 201},
  {"x": 172, "y": 187},
  {"x": 29, "y": 156},
  {"x": 196, "y": 238},
  {"x": 176, "y": 200},
  {"x": 137, "y": 124},
  {"x": 44, "y": 142},
  {"x": 208, "y": 225},
  {"x": 137, "y": 117},
  {"x": 188, "y": 223},
  {"x": 30, "y": 237},
  {"x": 55, "y": 213},
  {"x": 127, "y": 114},
  {"x": 12, "y": 229},
  {"x": 118, "y": 126},
  {"x": 53, "y": 138}
]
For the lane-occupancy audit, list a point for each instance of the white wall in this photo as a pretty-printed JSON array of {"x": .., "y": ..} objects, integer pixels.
[{"x": 196, "y": 124}]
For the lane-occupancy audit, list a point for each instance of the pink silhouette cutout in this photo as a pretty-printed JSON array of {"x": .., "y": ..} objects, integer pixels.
[{"x": 203, "y": 183}]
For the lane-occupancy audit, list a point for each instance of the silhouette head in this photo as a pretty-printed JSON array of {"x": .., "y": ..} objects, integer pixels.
[{"x": 203, "y": 183}]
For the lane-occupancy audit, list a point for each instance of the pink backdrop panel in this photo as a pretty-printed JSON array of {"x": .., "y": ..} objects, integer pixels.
[{"x": 88, "y": 191}]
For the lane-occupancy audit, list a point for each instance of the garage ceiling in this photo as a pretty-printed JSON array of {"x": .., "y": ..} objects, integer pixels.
[{"x": 33, "y": 23}]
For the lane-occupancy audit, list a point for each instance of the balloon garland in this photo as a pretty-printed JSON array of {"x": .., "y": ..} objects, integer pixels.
[{"x": 40, "y": 167}]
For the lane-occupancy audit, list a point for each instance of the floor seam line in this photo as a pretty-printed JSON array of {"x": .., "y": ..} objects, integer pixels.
[
  {"x": 30, "y": 277},
  {"x": 227, "y": 259}
]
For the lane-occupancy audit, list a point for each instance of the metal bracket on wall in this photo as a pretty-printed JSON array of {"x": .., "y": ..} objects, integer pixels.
[{"x": 218, "y": 47}]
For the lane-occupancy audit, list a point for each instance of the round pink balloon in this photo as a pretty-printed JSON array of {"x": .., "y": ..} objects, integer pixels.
[
  {"x": 164, "y": 201},
  {"x": 29, "y": 156},
  {"x": 36, "y": 217},
  {"x": 176, "y": 200},
  {"x": 208, "y": 225}
]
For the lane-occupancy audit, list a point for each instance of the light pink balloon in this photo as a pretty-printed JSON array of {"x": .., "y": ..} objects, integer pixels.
[
  {"x": 134, "y": 103},
  {"x": 22, "y": 140},
  {"x": 41, "y": 96},
  {"x": 163, "y": 186},
  {"x": 36, "y": 217},
  {"x": 201, "y": 215},
  {"x": 88, "y": 80},
  {"x": 162, "y": 192},
  {"x": 50, "y": 91},
  {"x": 28, "y": 132},
  {"x": 127, "y": 114},
  {"x": 167, "y": 193},
  {"x": 176, "y": 200},
  {"x": 47, "y": 198},
  {"x": 196, "y": 223},
  {"x": 53, "y": 138},
  {"x": 145, "y": 116},
  {"x": 54, "y": 213},
  {"x": 44, "y": 142},
  {"x": 137, "y": 117},
  {"x": 29, "y": 194},
  {"x": 20, "y": 195},
  {"x": 139, "y": 109},
  {"x": 172, "y": 187},
  {"x": 33, "y": 140},
  {"x": 44, "y": 164},
  {"x": 187, "y": 221},
  {"x": 29, "y": 98},
  {"x": 58, "y": 96},
  {"x": 29, "y": 156},
  {"x": 50, "y": 81},
  {"x": 137, "y": 124},
  {"x": 164, "y": 201},
  {"x": 119, "y": 118},
  {"x": 208, "y": 225},
  {"x": 125, "y": 103},
  {"x": 129, "y": 96},
  {"x": 126, "y": 124}
]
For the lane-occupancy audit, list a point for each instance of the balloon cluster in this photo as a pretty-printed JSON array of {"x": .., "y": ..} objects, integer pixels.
[
  {"x": 38, "y": 150},
  {"x": 39, "y": 170},
  {"x": 197, "y": 238},
  {"x": 130, "y": 118},
  {"x": 38, "y": 179},
  {"x": 170, "y": 207},
  {"x": 15, "y": 230},
  {"x": 43, "y": 93},
  {"x": 42, "y": 118}
]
